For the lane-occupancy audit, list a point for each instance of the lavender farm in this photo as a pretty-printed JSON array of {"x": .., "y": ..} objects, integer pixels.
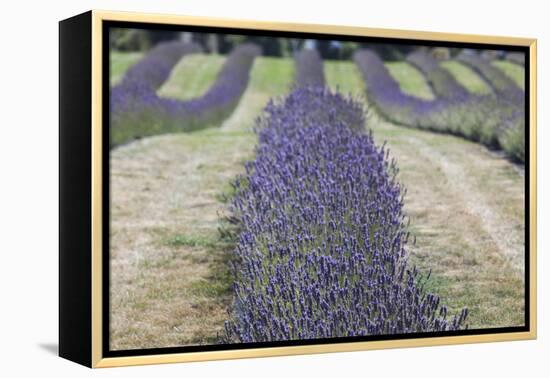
[{"x": 276, "y": 189}]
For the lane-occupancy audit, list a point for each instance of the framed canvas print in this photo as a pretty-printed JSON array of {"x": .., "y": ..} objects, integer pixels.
[{"x": 234, "y": 189}]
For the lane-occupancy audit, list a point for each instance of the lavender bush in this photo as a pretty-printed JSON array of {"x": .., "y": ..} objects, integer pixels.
[
  {"x": 309, "y": 69},
  {"x": 322, "y": 245},
  {"x": 516, "y": 57},
  {"x": 137, "y": 111},
  {"x": 485, "y": 119}
]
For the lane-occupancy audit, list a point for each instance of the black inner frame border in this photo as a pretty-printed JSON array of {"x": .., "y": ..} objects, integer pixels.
[{"x": 106, "y": 25}]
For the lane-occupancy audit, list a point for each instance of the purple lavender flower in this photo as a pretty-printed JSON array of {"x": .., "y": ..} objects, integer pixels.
[{"x": 322, "y": 245}]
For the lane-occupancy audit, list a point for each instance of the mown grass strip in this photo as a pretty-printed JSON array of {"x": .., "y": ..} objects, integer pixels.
[
  {"x": 467, "y": 77},
  {"x": 411, "y": 80},
  {"x": 269, "y": 78},
  {"x": 192, "y": 76},
  {"x": 444, "y": 84},
  {"x": 345, "y": 77},
  {"x": 120, "y": 62},
  {"x": 272, "y": 75},
  {"x": 512, "y": 70}
]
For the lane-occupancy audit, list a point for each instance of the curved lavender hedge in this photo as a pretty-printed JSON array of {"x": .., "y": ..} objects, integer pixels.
[
  {"x": 309, "y": 69},
  {"x": 511, "y": 103},
  {"x": 495, "y": 121},
  {"x": 444, "y": 84},
  {"x": 154, "y": 69},
  {"x": 503, "y": 86},
  {"x": 137, "y": 111},
  {"x": 322, "y": 245},
  {"x": 515, "y": 57}
]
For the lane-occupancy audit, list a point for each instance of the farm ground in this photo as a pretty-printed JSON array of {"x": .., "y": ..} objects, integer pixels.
[{"x": 169, "y": 277}]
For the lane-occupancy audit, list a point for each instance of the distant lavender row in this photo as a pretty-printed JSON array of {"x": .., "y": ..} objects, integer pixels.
[
  {"x": 154, "y": 69},
  {"x": 309, "y": 69},
  {"x": 503, "y": 86},
  {"x": 137, "y": 110},
  {"x": 386, "y": 94},
  {"x": 443, "y": 83},
  {"x": 511, "y": 101},
  {"x": 495, "y": 121},
  {"x": 515, "y": 57},
  {"x": 322, "y": 245}
]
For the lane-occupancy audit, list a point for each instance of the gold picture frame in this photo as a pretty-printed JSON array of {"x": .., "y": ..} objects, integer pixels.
[{"x": 90, "y": 329}]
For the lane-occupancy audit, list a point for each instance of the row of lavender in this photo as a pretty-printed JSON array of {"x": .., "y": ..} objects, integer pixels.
[
  {"x": 494, "y": 120},
  {"x": 322, "y": 246},
  {"x": 501, "y": 84},
  {"x": 443, "y": 83},
  {"x": 309, "y": 69},
  {"x": 137, "y": 110},
  {"x": 517, "y": 58},
  {"x": 511, "y": 104}
]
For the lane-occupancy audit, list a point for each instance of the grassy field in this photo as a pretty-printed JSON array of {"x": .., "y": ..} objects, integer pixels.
[
  {"x": 467, "y": 77},
  {"x": 466, "y": 210},
  {"x": 120, "y": 62},
  {"x": 270, "y": 77},
  {"x": 192, "y": 76},
  {"x": 170, "y": 283},
  {"x": 513, "y": 71},
  {"x": 343, "y": 76},
  {"x": 411, "y": 80}
]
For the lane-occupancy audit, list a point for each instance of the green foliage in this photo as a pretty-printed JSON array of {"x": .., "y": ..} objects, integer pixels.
[
  {"x": 124, "y": 39},
  {"x": 336, "y": 50}
]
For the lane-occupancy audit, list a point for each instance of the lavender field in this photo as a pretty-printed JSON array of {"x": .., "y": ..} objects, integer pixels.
[{"x": 258, "y": 196}]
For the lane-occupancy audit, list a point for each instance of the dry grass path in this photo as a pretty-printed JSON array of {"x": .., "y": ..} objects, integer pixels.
[
  {"x": 170, "y": 283},
  {"x": 169, "y": 278}
]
